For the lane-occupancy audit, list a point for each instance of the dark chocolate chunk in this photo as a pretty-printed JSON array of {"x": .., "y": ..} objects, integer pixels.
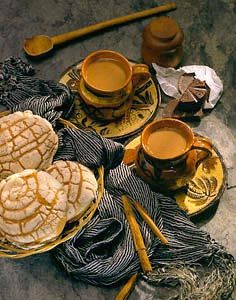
[
  {"x": 184, "y": 81},
  {"x": 194, "y": 93}
]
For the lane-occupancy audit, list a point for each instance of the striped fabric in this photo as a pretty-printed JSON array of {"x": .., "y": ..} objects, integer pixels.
[
  {"x": 19, "y": 91},
  {"x": 103, "y": 251}
]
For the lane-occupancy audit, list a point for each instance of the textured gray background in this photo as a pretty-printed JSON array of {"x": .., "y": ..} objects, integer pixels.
[{"x": 210, "y": 39}]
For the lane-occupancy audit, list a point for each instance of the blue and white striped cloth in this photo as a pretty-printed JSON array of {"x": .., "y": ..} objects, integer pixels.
[
  {"x": 19, "y": 90},
  {"x": 103, "y": 251}
]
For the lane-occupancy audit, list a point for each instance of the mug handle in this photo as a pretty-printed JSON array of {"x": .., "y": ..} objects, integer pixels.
[
  {"x": 194, "y": 158},
  {"x": 140, "y": 74}
]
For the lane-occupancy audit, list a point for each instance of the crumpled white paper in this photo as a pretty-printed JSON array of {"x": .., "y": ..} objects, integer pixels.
[{"x": 168, "y": 80}]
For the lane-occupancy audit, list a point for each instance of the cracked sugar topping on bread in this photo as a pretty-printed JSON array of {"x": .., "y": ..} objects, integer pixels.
[
  {"x": 79, "y": 183},
  {"x": 27, "y": 141},
  {"x": 33, "y": 207}
]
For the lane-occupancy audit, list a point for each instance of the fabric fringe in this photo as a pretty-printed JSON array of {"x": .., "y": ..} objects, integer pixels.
[{"x": 194, "y": 282}]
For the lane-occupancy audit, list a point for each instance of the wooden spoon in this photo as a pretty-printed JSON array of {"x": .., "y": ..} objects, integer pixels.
[{"x": 41, "y": 44}]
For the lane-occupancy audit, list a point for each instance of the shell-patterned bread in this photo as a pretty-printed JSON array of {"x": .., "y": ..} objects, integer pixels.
[
  {"x": 33, "y": 208},
  {"x": 27, "y": 141},
  {"x": 79, "y": 183}
]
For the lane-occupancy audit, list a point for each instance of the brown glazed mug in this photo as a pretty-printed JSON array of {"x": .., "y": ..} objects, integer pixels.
[
  {"x": 170, "y": 153},
  {"x": 108, "y": 82},
  {"x": 120, "y": 73}
]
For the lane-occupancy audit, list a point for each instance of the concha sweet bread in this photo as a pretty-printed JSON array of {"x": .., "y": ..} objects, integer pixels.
[
  {"x": 79, "y": 183},
  {"x": 33, "y": 208},
  {"x": 27, "y": 141}
]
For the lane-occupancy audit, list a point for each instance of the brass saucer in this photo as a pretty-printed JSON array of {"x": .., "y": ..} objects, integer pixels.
[
  {"x": 104, "y": 108},
  {"x": 147, "y": 99},
  {"x": 99, "y": 101},
  {"x": 203, "y": 190}
]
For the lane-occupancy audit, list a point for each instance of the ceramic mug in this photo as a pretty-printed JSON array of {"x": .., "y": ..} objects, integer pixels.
[
  {"x": 170, "y": 153},
  {"x": 108, "y": 79}
]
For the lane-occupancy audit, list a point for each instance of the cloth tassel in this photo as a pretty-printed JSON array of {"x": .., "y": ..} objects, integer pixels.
[{"x": 196, "y": 282}]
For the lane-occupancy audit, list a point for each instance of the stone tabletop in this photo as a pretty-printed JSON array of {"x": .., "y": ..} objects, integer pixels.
[{"x": 210, "y": 39}]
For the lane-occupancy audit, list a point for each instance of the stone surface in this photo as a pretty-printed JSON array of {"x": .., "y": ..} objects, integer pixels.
[{"x": 210, "y": 35}]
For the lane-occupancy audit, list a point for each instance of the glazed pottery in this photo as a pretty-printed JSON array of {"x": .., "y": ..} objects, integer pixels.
[
  {"x": 172, "y": 169},
  {"x": 108, "y": 81}
]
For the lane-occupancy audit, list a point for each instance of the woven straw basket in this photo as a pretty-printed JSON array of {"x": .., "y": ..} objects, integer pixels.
[{"x": 9, "y": 250}]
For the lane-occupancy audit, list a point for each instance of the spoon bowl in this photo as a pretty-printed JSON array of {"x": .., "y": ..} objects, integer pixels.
[{"x": 38, "y": 45}]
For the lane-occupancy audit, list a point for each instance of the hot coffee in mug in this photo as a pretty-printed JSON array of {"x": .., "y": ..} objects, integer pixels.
[
  {"x": 170, "y": 151},
  {"x": 168, "y": 139},
  {"x": 108, "y": 83},
  {"x": 106, "y": 74},
  {"x": 166, "y": 143}
]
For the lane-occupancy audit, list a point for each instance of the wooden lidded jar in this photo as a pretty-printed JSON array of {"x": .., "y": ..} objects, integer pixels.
[{"x": 162, "y": 42}]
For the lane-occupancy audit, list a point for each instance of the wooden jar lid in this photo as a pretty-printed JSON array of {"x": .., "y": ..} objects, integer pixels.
[
  {"x": 163, "y": 33},
  {"x": 162, "y": 42},
  {"x": 164, "y": 28}
]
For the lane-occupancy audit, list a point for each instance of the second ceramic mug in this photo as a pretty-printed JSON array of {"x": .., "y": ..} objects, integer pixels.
[
  {"x": 109, "y": 76},
  {"x": 170, "y": 153}
]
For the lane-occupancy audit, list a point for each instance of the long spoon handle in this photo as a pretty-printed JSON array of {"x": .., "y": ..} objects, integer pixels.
[{"x": 61, "y": 38}]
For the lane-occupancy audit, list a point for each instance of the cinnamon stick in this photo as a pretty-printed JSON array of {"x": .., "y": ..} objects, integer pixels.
[
  {"x": 137, "y": 236},
  {"x": 127, "y": 288},
  {"x": 150, "y": 222}
]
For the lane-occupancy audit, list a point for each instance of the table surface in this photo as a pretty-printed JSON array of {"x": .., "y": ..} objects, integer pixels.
[{"x": 210, "y": 35}]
